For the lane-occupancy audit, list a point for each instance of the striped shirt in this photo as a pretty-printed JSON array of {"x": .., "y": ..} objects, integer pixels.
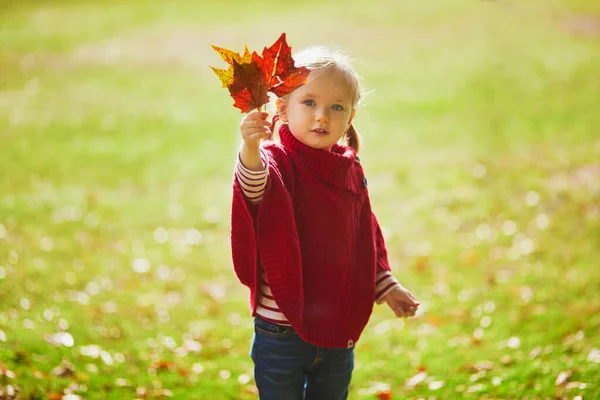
[{"x": 253, "y": 184}]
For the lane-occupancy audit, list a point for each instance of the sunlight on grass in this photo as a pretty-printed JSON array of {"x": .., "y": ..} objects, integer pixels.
[{"x": 117, "y": 147}]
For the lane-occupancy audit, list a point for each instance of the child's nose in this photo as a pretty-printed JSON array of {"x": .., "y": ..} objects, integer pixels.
[{"x": 322, "y": 116}]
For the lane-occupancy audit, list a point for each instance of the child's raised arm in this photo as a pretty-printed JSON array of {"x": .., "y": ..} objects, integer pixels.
[{"x": 251, "y": 167}]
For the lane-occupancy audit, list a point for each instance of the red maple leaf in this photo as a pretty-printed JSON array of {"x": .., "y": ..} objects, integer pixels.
[
  {"x": 279, "y": 64},
  {"x": 251, "y": 76}
]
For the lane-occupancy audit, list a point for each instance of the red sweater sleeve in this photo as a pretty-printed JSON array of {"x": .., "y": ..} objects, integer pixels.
[
  {"x": 384, "y": 280},
  {"x": 382, "y": 256}
]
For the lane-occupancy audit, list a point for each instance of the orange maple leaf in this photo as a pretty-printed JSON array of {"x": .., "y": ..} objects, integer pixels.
[{"x": 251, "y": 76}]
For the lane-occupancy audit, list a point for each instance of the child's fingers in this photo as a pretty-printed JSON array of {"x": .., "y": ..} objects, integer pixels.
[
  {"x": 255, "y": 125},
  {"x": 255, "y": 138},
  {"x": 413, "y": 300},
  {"x": 251, "y": 129},
  {"x": 399, "y": 311},
  {"x": 410, "y": 311},
  {"x": 256, "y": 133},
  {"x": 259, "y": 135},
  {"x": 256, "y": 115}
]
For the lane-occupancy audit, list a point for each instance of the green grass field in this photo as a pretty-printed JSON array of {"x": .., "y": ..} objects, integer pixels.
[{"x": 482, "y": 149}]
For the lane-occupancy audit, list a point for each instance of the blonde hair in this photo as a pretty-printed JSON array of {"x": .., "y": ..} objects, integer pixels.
[{"x": 321, "y": 61}]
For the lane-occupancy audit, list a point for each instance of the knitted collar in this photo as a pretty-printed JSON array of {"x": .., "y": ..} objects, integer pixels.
[{"x": 336, "y": 167}]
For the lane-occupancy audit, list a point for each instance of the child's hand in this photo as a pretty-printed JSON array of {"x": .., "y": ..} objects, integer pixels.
[
  {"x": 402, "y": 302},
  {"x": 255, "y": 127}
]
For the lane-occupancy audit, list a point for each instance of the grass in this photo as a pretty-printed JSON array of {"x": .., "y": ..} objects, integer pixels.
[{"x": 116, "y": 147}]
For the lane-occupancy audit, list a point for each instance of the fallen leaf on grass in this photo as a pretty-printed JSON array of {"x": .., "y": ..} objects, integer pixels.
[
  {"x": 251, "y": 390},
  {"x": 594, "y": 356},
  {"x": 435, "y": 385},
  {"x": 576, "y": 385},
  {"x": 4, "y": 371},
  {"x": 475, "y": 388},
  {"x": 533, "y": 354},
  {"x": 506, "y": 360},
  {"x": 161, "y": 393},
  {"x": 562, "y": 378},
  {"x": 141, "y": 392},
  {"x": 64, "y": 370},
  {"x": 60, "y": 338},
  {"x": 192, "y": 346},
  {"x": 415, "y": 380},
  {"x": 183, "y": 372},
  {"x": 158, "y": 366},
  {"x": 384, "y": 395},
  {"x": 477, "y": 376},
  {"x": 122, "y": 382},
  {"x": 378, "y": 389},
  {"x": 484, "y": 365}
]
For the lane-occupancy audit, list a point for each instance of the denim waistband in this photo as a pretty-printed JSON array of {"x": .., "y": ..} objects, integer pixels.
[{"x": 271, "y": 327}]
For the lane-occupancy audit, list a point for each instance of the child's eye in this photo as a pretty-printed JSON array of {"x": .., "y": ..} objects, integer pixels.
[
  {"x": 309, "y": 102},
  {"x": 337, "y": 107}
]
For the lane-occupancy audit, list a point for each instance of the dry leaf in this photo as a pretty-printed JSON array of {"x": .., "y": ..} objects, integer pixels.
[
  {"x": 384, "y": 395},
  {"x": 415, "y": 380},
  {"x": 506, "y": 360},
  {"x": 435, "y": 385},
  {"x": 594, "y": 356},
  {"x": 562, "y": 378},
  {"x": 161, "y": 393},
  {"x": 251, "y": 76},
  {"x": 65, "y": 369},
  {"x": 158, "y": 366}
]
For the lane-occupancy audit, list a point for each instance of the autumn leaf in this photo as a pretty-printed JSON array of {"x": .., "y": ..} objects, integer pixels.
[
  {"x": 66, "y": 369},
  {"x": 412, "y": 382},
  {"x": 279, "y": 67},
  {"x": 249, "y": 89},
  {"x": 384, "y": 395},
  {"x": 563, "y": 378},
  {"x": 251, "y": 76},
  {"x": 226, "y": 76}
]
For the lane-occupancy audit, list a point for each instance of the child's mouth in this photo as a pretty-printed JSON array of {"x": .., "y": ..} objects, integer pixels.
[{"x": 322, "y": 132}]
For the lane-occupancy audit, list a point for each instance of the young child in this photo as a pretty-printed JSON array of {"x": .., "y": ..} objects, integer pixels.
[{"x": 305, "y": 240}]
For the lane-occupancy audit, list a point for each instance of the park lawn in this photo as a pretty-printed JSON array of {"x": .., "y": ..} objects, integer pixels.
[{"x": 116, "y": 150}]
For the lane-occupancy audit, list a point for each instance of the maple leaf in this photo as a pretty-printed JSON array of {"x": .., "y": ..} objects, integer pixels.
[
  {"x": 279, "y": 64},
  {"x": 226, "y": 76},
  {"x": 249, "y": 88},
  {"x": 251, "y": 76}
]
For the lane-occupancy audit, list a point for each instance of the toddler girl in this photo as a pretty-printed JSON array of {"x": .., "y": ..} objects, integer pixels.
[{"x": 305, "y": 240}]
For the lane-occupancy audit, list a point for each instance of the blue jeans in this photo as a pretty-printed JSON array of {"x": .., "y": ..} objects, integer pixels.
[{"x": 288, "y": 368}]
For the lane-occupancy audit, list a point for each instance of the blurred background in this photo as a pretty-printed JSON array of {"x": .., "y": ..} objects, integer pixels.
[{"x": 117, "y": 144}]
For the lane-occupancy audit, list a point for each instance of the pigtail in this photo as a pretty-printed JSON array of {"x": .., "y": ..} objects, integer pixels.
[{"x": 353, "y": 138}]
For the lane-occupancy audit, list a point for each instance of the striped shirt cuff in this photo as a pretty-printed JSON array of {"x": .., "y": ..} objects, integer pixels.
[
  {"x": 385, "y": 283},
  {"x": 253, "y": 183}
]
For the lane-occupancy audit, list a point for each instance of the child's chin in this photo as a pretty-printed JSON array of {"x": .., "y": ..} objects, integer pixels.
[{"x": 320, "y": 145}]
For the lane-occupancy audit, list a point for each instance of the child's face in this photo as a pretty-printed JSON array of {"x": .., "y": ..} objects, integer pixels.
[{"x": 319, "y": 112}]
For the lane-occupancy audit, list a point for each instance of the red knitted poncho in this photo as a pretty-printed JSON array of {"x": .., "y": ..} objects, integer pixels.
[{"x": 316, "y": 238}]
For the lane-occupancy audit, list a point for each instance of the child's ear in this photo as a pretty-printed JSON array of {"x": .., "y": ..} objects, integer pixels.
[{"x": 282, "y": 110}]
